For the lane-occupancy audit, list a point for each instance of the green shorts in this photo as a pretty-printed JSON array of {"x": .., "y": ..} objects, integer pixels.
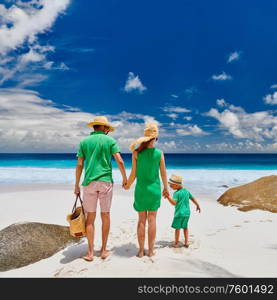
[{"x": 180, "y": 222}]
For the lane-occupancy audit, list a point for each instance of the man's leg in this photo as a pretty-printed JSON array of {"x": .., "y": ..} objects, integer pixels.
[
  {"x": 105, "y": 216},
  {"x": 105, "y": 199},
  {"x": 151, "y": 231},
  {"x": 90, "y": 206},
  {"x": 141, "y": 232},
  {"x": 90, "y": 235}
]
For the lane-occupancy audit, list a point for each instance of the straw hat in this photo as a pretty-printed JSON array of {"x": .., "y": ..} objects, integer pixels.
[
  {"x": 151, "y": 131},
  {"x": 175, "y": 179},
  {"x": 100, "y": 120}
]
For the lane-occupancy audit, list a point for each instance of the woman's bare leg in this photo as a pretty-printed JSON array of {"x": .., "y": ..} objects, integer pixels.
[
  {"x": 151, "y": 231},
  {"x": 90, "y": 235},
  {"x": 141, "y": 232}
]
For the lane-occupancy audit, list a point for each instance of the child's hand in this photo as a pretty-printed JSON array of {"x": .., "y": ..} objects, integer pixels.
[{"x": 198, "y": 208}]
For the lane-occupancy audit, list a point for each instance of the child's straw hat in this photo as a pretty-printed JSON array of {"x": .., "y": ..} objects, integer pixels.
[
  {"x": 175, "y": 179},
  {"x": 151, "y": 131},
  {"x": 100, "y": 120}
]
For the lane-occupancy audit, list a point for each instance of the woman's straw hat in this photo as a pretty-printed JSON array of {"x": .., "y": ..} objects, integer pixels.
[
  {"x": 151, "y": 131},
  {"x": 175, "y": 179},
  {"x": 100, "y": 120}
]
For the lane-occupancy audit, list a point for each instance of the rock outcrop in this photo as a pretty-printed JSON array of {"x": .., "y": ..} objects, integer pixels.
[
  {"x": 258, "y": 194},
  {"x": 25, "y": 243}
]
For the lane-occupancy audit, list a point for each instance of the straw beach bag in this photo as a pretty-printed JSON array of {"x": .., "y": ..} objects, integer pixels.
[{"x": 77, "y": 220}]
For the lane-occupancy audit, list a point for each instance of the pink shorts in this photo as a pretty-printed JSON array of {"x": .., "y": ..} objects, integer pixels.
[{"x": 101, "y": 190}]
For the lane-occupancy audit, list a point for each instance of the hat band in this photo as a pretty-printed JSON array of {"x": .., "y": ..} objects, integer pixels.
[{"x": 176, "y": 182}]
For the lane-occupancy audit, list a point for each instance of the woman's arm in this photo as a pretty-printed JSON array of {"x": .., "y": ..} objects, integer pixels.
[
  {"x": 164, "y": 176},
  {"x": 132, "y": 176},
  {"x": 196, "y": 203}
]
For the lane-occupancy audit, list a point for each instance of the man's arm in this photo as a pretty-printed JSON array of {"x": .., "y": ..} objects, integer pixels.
[
  {"x": 120, "y": 164},
  {"x": 133, "y": 173},
  {"x": 78, "y": 173}
]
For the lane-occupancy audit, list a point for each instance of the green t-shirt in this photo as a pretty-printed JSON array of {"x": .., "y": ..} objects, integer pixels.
[
  {"x": 182, "y": 197},
  {"x": 97, "y": 149}
]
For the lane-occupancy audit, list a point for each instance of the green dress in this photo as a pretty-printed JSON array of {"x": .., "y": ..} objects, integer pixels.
[{"x": 148, "y": 185}]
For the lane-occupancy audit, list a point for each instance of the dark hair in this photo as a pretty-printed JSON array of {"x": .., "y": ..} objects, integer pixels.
[
  {"x": 96, "y": 127},
  {"x": 144, "y": 145}
]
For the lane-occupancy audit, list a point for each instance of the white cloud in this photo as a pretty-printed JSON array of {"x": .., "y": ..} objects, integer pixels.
[
  {"x": 29, "y": 123},
  {"x": 21, "y": 24},
  {"x": 173, "y": 116},
  {"x": 234, "y": 56},
  {"x": 221, "y": 102},
  {"x": 28, "y": 19},
  {"x": 174, "y": 96},
  {"x": 187, "y": 118},
  {"x": 191, "y": 91},
  {"x": 193, "y": 130},
  {"x": 222, "y": 77},
  {"x": 274, "y": 86},
  {"x": 257, "y": 126},
  {"x": 133, "y": 83},
  {"x": 175, "y": 109},
  {"x": 271, "y": 99}
]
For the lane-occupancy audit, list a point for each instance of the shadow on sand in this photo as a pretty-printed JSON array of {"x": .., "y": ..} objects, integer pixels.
[
  {"x": 127, "y": 250},
  {"x": 74, "y": 252}
]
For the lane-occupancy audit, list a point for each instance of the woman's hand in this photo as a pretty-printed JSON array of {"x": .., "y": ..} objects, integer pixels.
[{"x": 165, "y": 193}]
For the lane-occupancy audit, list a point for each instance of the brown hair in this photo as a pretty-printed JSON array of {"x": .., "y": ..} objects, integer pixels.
[{"x": 143, "y": 146}]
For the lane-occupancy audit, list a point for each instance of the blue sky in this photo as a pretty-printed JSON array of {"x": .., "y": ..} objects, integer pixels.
[{"x": 204, "y": 70}]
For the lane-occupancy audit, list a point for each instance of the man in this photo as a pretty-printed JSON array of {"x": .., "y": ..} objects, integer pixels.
[{"x": 96, "y": 151}]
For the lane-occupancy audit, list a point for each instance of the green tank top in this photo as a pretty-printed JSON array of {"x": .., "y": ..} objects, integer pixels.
[{"x": 148, "y": 185}]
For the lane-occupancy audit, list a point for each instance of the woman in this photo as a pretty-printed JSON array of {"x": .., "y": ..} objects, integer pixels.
[{"x": 147, "y": 161}]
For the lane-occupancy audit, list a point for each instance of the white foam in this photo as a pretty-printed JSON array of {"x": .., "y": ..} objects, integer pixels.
[{"x": 199, "y": 180}]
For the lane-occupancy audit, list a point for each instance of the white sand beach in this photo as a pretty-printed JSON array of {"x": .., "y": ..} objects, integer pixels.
[{"x": 225, "y": 242}]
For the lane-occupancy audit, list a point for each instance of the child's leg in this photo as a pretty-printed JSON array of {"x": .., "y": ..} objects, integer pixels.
[
  {"x": 177, "y": 236},
  {"x": 186, "y": 235}
]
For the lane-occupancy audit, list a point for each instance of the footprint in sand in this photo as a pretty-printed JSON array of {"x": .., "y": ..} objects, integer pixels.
[
  {"x": 237, "y": 226},
  {"x": 58, "y": 273}
]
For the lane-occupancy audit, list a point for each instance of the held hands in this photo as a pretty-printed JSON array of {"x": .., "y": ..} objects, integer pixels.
[
  {"x": 165, "y": 193},
  {"x": 198, "y": 208}
]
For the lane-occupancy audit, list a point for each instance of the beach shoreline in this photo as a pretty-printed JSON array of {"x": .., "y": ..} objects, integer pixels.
[{"x": 225, "y": 242}]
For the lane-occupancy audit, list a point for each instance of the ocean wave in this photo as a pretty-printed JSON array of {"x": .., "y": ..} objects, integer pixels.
[{"x": 200, "y": 180}]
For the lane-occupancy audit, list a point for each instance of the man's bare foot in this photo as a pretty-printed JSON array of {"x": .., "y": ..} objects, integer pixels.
[
  {"x": 151, "y": 253},
  {"x": 104, "y": 254},
  {"x": 88, "y": 257},
  {"x": 141, "y": 253},
  {"x": 175, "y": 245}
]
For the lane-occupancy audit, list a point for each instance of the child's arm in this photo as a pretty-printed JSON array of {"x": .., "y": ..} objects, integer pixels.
[
  {"x": 173, "y": 202},
  {"x": 196, "y": 203}
]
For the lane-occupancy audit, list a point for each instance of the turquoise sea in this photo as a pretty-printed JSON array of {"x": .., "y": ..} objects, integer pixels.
[{"x": 200, "y": 171}]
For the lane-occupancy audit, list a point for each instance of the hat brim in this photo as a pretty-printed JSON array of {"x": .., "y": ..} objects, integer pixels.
[
  {"x": 174, "y": 182},
  {"x": 140, "y": 140},
  {"x": 91, "y": 124}
]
